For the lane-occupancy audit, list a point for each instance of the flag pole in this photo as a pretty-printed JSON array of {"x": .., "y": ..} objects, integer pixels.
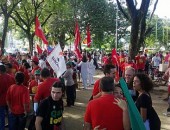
[{"x": 116, "y": 27}]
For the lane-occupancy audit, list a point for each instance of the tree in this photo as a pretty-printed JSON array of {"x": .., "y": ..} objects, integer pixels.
[
  {"x": 61, "y": 25},
  {"x": 99, "y": 14},
  {"x": 137, "y": 18},
  {"x": 7, "y": 7}
]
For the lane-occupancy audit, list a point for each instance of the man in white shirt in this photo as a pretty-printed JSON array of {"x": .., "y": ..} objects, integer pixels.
[{"x": 156, "y": 60}]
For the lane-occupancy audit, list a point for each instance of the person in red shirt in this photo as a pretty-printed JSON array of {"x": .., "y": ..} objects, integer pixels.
[
  {"x": 108, "y": 61},
  {"x": 18, "y": 102},
  {"x": 34, "y": 83},
  {"x": 43, "y": 89},
  {"x": 35, "y": 62},
  {"x": 109, "y": 115},
  {"x": 5, "y": 82},
  {"x": 26, "y": 73},
  {"x": 14, "y": 63},
  {"x": 109, "y": 71},
  {"x": 9, "y": 69},
  {"x": 21, "y": 66},
  {"x": 140, "y": 62},
  {"x": 122, "y": 58},
  {"x": 127, "y": 64}
]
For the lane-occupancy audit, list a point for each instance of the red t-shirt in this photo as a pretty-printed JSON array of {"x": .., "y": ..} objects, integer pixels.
[
  {"x": 96, "y": 88},
  {"x": 27, "y": 77},
  {"x": 126, "y": 65},
  {"x": 140, "y": 62},
  {"x": 21, "y": 68},
  {"x": 103, "y": 112},
  {"x": 17, "y": 96},
  {"x": 34, "y": 69},
  {"x": 33, "y": 86},
  {"x": 44, "y": 88},
  {"x": 6, "y": 81},
  {"x": 122, "y": 59},
  {"x": 14, "y": 68},
  {"x": 11, "y": 74},
  {"x": 104, "y": 59}
]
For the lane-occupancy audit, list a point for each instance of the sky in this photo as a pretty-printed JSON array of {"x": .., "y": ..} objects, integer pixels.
[{"x": 163, "y": 8}]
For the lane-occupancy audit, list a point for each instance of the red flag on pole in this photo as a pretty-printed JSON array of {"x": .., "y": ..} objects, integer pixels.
[
  {"x": 39, "y": 50},
  {"x": 77, "y": 41},
  {"x": 78, "y": 54},
  {"x": 38, "y": 31},
  {"x": 88, "y": 36},
  {"x": 115, "y": 59},
  {"x": 77, "y": 36}
]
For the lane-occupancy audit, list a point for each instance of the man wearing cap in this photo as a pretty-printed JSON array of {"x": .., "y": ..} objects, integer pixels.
[
  {"x": 35, "y": 62},
  {"x": 34, "y": 83}
]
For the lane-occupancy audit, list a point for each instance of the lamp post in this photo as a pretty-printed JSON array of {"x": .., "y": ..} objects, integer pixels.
[{"x": 116, "y": 27}]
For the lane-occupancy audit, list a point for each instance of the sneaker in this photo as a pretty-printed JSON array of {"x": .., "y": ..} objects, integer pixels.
[{"x": 166, "y": 114}]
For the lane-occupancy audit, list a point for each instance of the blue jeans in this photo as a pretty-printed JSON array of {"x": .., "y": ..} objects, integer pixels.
[
  {"x": 2, "y": 117},
  {"x": 16, "y": 122}
]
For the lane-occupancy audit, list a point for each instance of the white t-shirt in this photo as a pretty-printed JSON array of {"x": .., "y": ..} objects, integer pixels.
[{"x": 156, "y": 61}]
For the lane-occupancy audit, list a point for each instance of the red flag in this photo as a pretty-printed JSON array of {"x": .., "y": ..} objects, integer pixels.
[
  {"x": 78, "y": 54},
  {"x": 38, "y": 31},
  {"x": 115, "y": 57},
  {"x": 77, "y": 36},
  {"x": 39, "y": 50},
  {"x": 117, "y": 78},
  {"x": 88, "y": 36}
]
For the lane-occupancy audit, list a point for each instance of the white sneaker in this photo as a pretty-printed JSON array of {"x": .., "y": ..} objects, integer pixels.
[{"x": 166, "y": 114}]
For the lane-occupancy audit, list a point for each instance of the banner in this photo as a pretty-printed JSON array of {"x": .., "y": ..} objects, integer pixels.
[
  {"x": 56, "y": 61},
  {"x": 135, "y": 117}
]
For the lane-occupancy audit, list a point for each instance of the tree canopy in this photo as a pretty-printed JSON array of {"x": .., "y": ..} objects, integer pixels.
[{"x": 57, "y": 18}]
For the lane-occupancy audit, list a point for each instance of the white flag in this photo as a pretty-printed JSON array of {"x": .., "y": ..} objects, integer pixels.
[{"x": 56, "y": 61}]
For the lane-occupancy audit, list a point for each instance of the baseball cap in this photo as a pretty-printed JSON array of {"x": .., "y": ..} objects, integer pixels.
[
  {"x": 37, "y": 72},
  {"x": 34, "y": 58}
]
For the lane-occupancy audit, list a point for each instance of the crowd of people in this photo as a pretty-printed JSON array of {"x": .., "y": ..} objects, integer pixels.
[{"x": 31, "y": 79}]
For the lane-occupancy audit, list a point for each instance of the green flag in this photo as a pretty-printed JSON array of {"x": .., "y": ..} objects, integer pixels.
[{"x": 135, "y": 117}]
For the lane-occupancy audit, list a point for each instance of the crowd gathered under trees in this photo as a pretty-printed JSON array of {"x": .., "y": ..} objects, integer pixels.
[{"x": 33, "y": 77}]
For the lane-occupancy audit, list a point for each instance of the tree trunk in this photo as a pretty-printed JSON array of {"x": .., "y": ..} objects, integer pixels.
[
  {"x": 30, "y": 39},
  {"x": 5, "y": 29},
  {"x": 61, "y": 38},
  {"x": 133, "y": 48},
  {"x": 142, "y": 33}
]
